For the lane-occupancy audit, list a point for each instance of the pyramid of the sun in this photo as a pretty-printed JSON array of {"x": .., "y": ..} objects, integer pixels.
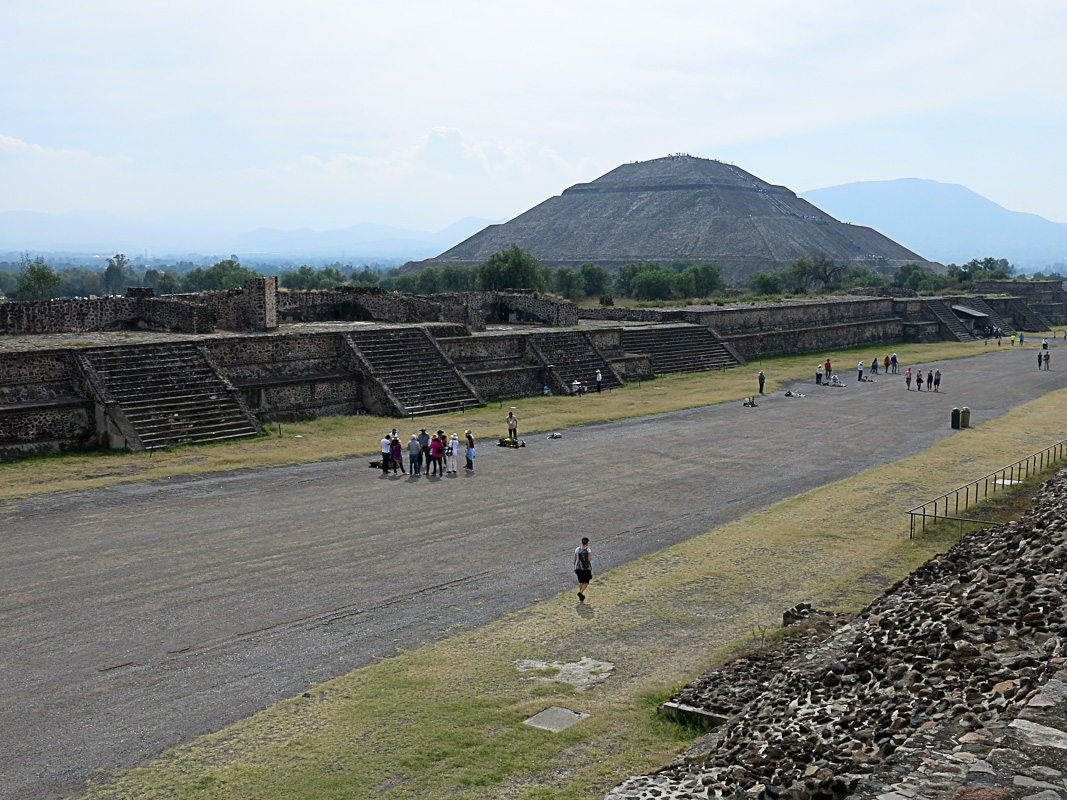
[{"x": 681, "y": 208}]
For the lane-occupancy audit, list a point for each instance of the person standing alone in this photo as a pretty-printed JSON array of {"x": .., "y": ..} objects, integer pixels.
[
  {"x": 583, "y": 567},
  {"x": 762, "y": 380},
  {"x": 513, "y": 427},
  {"x": 599, "y": 380}
]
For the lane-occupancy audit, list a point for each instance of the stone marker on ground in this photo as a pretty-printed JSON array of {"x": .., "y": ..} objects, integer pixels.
[{"x": 555, "y": 719}]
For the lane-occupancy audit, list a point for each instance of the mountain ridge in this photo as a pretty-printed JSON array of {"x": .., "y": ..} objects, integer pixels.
[{"x": 947, "y": 222}]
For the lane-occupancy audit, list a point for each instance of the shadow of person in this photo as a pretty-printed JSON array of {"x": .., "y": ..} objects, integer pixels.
[{"x": 585, "y": 611}]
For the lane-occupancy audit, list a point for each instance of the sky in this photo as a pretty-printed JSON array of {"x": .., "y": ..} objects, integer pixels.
[{"x": 241, "y": 115}]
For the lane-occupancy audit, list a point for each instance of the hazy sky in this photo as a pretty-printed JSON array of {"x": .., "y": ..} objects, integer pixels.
[{"x": 415, "y": 114}]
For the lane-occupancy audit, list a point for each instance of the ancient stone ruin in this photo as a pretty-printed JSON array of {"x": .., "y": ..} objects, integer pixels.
[
  {"x": 682, "y": 208},
  {"x": 221, "y": 364},
  {"x": 950, "y": 685}
]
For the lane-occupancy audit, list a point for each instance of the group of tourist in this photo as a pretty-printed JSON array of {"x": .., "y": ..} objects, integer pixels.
[
  {"x": 932, "y": 379},
  {"x": 825, "y": 371},
  {"x": 436, "y": 454}
]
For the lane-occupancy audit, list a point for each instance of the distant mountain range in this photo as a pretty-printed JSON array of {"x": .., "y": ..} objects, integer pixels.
[
  {"x": 938, "y": 221},
  {"x": 84, "y": 232},
  {"x": 947, "y": 222}
]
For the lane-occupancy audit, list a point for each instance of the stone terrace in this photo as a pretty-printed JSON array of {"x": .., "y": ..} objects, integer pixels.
[{"x": 950, "y": 685}]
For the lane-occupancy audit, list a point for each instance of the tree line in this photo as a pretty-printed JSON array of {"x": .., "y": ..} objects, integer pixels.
[{"x": 513, "y": 268}]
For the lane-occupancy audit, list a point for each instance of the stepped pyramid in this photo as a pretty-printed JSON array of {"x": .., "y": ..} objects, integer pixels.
[{"x": 681, "y": 208}]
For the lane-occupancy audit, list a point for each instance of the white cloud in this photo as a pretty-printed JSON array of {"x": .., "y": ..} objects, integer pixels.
[{"x": 421, "y": 113}]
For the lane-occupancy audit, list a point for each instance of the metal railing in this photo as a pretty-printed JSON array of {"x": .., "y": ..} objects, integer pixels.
[{"x": 981, "y": 488}]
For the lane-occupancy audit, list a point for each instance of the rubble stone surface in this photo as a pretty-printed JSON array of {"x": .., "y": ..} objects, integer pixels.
[{"x": 950, "y": 686}]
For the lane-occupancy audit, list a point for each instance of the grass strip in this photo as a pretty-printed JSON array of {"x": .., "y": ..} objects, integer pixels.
[
  {"x": 347, "y": 436},
  {"x": 444, "y": 720}
]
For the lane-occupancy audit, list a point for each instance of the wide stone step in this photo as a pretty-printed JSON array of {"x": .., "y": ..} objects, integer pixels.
[{"x": 220, "y": 436}]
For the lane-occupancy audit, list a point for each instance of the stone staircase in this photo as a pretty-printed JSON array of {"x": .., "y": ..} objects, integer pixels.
[
  {"x": 169, "y": 394},
  {"x": 679, "y": 348},
  {"x": 1027, "y": 316},
  {"x": 574, "y": 357},
  {"x": 978, "y": 304},
  {"x": 415, "y": 371},
  {"x": 944, "y": 314}
]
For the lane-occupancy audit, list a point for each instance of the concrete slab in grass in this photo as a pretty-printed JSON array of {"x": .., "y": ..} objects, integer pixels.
[{"x": 555, "y": 719}]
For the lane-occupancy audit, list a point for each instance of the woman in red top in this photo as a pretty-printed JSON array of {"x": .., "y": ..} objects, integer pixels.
[
  {"x": 435, "y": 455},
  {"x": 886, "y": 362}
]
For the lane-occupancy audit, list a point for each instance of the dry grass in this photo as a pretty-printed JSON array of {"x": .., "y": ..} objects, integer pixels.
[
  {"x": 343, "y": 437},
  {"x": 444, "y": 720}
]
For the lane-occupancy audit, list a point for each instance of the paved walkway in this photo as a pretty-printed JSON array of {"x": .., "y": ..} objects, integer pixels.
[{"x": 138, "y": 617}]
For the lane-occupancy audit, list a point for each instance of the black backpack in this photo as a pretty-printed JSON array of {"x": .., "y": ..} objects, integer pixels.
[{"x": 583, "y": 558}]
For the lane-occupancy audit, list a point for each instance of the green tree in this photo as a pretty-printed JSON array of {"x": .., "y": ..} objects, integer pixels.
[
  {"x": 457, "y": 279},
  {"x": 168, "y": 283},
  {"x": 365, "y": 277},
  {"x": 399, "y": 283},
  {"x": 113, "y": 277},
  {"x": 80, "y": 282},
  {"x": 707, "y": 279},
  {"x": 304, "y": 278},
  {"x": 227, "y": 274},
  {"x": 652, "y": 284},
  {"x": 685, "y": 284},
  {"x": 37, "y": 280},
  {"x": 627, "y": 273},
  {"x": 766, "y": 283},
  {"x": 909, "y": 276},
  {"x": 428, "y": 281},
  {"x": 513, "y": 268},
  {"x": 568, "y": 283},
  {"x": 596, "y": 281},
  {"x": 863, "y": 276}
]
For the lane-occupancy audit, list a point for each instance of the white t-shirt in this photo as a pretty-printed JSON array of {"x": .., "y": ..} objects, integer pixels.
[
  {"x": 577, "y": 550},
  {"x": 386, "y": 444}
]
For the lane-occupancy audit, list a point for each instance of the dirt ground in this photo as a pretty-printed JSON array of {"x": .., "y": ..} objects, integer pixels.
[{"x": 138, "y": 617}]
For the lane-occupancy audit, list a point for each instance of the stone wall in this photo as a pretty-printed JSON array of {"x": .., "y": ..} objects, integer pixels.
[
  {"x": 481, "y": 308},
  {"x": 514, "y": 382},
  {"x": 800, "y": 314},
  {"x": 743, "y": 318},
  {"x": 367, "y": 304},
  {"x": 43, "y": 408},
  {"x": 291, "y": 377},
  {"x": 817, "y": 339},
  {"x": 654, "y": 315}
]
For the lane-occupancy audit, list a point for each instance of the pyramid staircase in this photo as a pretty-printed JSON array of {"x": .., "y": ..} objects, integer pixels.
[
  {"x": 947, "y": 317},
  {"x": 978, "y": 304},
  {"x": 575, "y": 358},
  {"x": 1026, "y": 316},
  {"x": 167, "y": 394},
  {"x": 679, "y": 348},
  {"x": 417, "y": 374}
]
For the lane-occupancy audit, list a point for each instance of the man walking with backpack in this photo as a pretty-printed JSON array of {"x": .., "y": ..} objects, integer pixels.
[{"x": 583, "y": 567}]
